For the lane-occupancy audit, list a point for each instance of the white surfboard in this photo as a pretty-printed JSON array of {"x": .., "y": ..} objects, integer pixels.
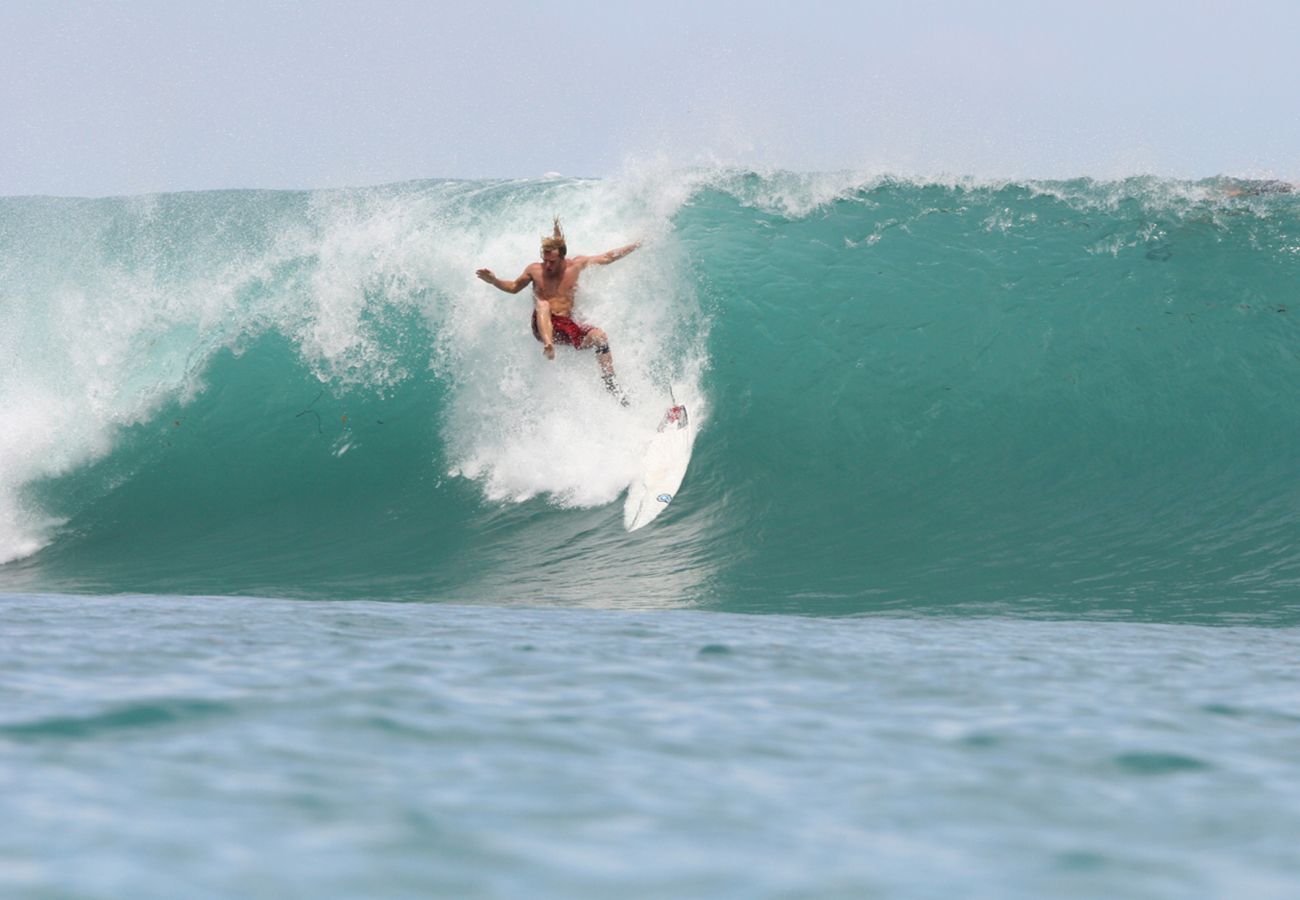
[{"x": 662, "y": 470}]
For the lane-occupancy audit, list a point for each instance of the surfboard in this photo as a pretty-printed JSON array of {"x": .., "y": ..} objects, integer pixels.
[{"x": 662, "y": 469}]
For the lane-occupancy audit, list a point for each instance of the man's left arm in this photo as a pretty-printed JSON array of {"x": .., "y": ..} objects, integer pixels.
[{"x": 605, "y": 259}]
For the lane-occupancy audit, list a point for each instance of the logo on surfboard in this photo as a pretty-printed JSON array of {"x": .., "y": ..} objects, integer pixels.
[
  {"x": 665, "y": 498},
  {"x": 675, "y": 416}
]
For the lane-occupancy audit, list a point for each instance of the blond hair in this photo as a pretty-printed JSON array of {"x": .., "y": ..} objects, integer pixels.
[{"x": 556, "y": 240}]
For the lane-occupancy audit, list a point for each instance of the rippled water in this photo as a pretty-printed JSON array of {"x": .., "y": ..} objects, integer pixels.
[{"x": 203, "y": 747}]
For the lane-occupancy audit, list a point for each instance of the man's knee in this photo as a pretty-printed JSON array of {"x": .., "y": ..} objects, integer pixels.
[
  {"x": 597, "y": 337},
  {"x": 543, "y": 306}
]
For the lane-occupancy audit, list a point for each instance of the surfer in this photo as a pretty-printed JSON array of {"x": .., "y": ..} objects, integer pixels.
[{"x": 555, "y": 284}]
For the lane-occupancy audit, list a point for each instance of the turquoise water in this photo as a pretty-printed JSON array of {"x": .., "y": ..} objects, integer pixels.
[
  {"x": 1072, "y": 398},
  {"x": 983, "y": 578}
]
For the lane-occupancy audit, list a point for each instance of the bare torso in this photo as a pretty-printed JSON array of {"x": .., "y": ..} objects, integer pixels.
[{"x": 558, "y": 284}]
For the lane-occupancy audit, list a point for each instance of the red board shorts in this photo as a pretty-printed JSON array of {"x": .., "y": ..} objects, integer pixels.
[{"x": 567, "y": 331}]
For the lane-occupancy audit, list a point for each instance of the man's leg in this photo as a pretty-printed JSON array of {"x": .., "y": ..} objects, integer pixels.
[
  {"x": 545, "y": 328},
  {"x": 598, "y": 339}
]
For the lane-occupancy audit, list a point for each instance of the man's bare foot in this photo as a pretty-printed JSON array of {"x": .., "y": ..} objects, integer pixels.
[{"x": 549, "y": 350}]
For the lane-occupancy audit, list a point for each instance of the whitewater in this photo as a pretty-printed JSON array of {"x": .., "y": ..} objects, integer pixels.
[{"x": 984, "y": 578}]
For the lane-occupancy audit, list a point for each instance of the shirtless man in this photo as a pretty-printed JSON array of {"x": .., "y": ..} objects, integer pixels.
[{"x": 555, "y": 282}]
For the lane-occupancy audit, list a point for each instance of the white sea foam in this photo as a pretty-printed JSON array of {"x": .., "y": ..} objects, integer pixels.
[
  {"x": 523, "y": 425},
  {"x": 114, "y": 307}
]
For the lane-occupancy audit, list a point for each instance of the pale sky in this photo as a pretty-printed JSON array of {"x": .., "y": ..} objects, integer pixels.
[{"x": 130, "y": 97}]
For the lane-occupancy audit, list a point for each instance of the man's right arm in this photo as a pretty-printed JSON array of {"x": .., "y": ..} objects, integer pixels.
[{"x": 510, "y": 287}]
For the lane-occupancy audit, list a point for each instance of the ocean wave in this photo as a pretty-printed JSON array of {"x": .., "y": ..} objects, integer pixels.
[{"x": 1068, "y": 396}]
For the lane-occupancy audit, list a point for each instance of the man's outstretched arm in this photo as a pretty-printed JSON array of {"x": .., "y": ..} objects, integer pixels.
[
  {"x": 510, "y": 287},
  {"x": 613, "y": 255}
]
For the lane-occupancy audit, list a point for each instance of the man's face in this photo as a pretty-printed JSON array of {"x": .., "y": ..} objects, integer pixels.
[{"x": 551, "y": 259}]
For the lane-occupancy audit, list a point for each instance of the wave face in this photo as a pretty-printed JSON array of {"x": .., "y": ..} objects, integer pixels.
[{"x": 1066, "y": 398}]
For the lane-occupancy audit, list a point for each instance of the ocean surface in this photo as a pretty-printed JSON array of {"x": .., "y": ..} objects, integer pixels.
[{"x": 984, "y": 579}]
